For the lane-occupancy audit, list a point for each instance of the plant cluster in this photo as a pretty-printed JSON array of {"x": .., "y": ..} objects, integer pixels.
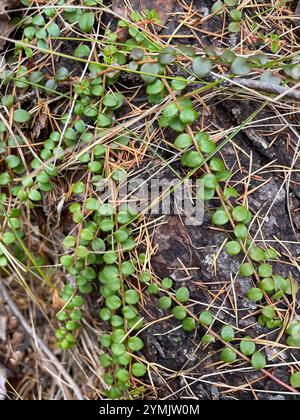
[
  {"x": 101, "y": 254},
  {"x": 229, "y": 7}
]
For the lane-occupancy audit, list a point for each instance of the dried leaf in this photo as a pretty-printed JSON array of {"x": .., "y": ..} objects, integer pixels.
[
  {"x": 6, "y": 25},
  {"x": 40, "y": 124}
]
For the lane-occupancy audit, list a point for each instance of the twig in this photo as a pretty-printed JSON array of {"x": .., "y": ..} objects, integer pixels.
[
  {"x": 40, "y": 344},
  {"x": 268, "y": 87}
]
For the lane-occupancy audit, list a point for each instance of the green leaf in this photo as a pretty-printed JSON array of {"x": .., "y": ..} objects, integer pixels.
[
  {"x": 234, "y": 27},
  {"x": 267, "y": 285},
  {"x": 228, "y": 355},
  {"x": 131, "y": 297},
  {"x": 171, "y": 110},
  {"x": 188, "y": 116},
  {"x": 236, "y": 15},
  {"x": 227, "y": 333},
  {"x": 3, "y": 261},
  {"x": 113, "y": 100},
  {"x": 220, "y": 218},
  {"x": 176, "y": 125},
  {"x": 228, "y": 57},
  {"x": 135, "y": 344},
  {"x": 106, "y": 210},
  {"x": 192, "y": 159},
  {"x": 205, "y": 144},
  {"x": 21, "y": 116},
  {"x": 35, "y": 195},
  {"x": 179, "y": 83},
  {"x": 29, "y": 32},
  {"x": 179, "y": 313},
  {"x": 265, "y": 270},
  {"x": 257, "y": 254},
  {"x": 271, "y": 254},
  {"x": 82, "y": 51},
  {"x": 230, "y": 3},
  {"x": 294, "y": 330},
  {"x": 66, "y": 260},
  {"x": 182, "y": 294},
  {"x": 8, "y": 238},
  {"x": 165, "y": 302},
  {"x": 82, "y": 252},
  {"x": 206, "y": 318},
  {"x": 247, "y": 347},
  {"x": 210, "y": 181},
  {"x": 188, "y": 324},
  {"x": 38, "y": 20},
  {"x": 247, "y": 270},
  {"x": 78, "y": 188},
  {"x": 167, "y": 283},
  {"x": 53, "y": 30},
  {"x": 113, "y": 302},
  {"x": 241, "y": 231},
  {"x": 13, "y": 161},
  {"x": 255, "y": 295},
  {"x": 258, "y": 361},
  {"x": 240, "y": 66},
  {"x": 291, "y": 342},
  {"x": 87, "y": 235},
  {"x": 138, "y": 370},
  {"x": 7, "y": 100},
  {"x": 218, "y": 8},
  {"x": 224, "y": 176},
  {"x": 155, "y": 88},
  {"x": 268, "y": 312},
  {"x": 233, "y": 248},
  {"x": 151, "y": 70},
  {"x": 118, "y": 349},
  {"x": 167, "y": 56},
  {"x": 202, "y": 66},
  {"x": 92, "y": 204},
  {"x": 240, "y": 214},
  {"x": 216, "y": 164},
  {"x": 183, "y": 141},
  {"x": 208, "y": 339},
  {"x": 104, "y": 121},
  {"x": 128, "y": 269},
  {"x": 62, "y": 74},
  {"x": 86, "y": 22},
  {"x": 295, "y": 380},
  {"x": 153, "y": 289}
]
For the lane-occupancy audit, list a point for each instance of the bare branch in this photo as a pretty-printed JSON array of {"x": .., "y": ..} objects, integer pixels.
[{"x": 268, "y": 87}]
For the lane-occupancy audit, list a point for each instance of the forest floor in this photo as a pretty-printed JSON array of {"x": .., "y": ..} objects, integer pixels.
[{"x": 257, "y": 128}]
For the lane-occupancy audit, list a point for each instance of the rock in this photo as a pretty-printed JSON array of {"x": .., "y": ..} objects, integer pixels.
[{"x": 272, "y": 191}]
